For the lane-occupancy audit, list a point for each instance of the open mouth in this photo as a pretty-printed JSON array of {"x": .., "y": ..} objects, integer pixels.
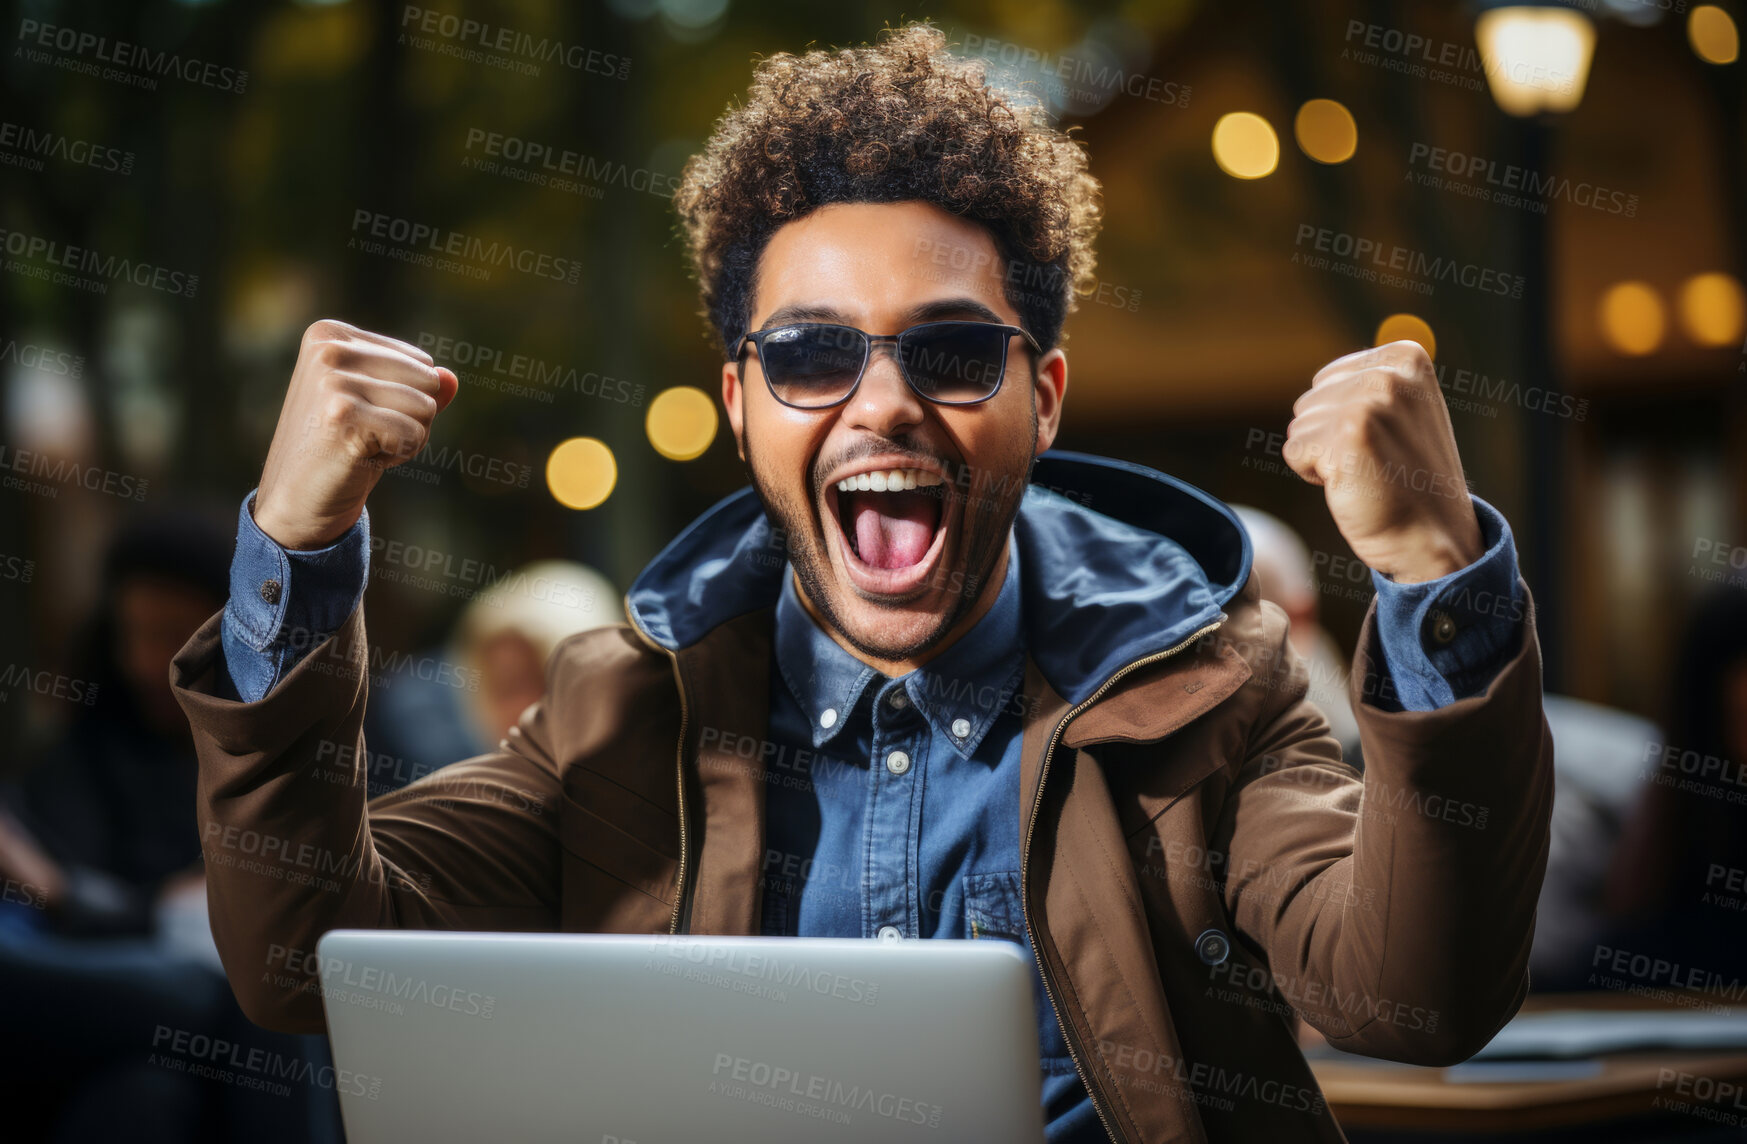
[{"x": 891, "y": 526}]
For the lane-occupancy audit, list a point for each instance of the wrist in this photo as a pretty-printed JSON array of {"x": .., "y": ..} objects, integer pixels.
[
  {"x": 1434, "y": 557},
  {"x": 300, "y": 536}
]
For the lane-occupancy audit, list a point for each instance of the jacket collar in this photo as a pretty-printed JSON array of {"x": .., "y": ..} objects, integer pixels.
[{"x": 1121, "y": 563}]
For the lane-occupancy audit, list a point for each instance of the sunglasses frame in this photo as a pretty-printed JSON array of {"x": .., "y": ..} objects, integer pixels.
[{"x": 756, "y": 337}]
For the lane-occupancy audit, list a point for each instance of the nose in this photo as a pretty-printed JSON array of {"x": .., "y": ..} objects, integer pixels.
[{"x": 884, "y": 403}]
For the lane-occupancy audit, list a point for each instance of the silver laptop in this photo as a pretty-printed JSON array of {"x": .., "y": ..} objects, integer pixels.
[{"x": 613, "y": 1039}]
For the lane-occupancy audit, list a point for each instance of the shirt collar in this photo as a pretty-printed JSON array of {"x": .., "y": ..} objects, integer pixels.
[{"x": 963, "y": 689}]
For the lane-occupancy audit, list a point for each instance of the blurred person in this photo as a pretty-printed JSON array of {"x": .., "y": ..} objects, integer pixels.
[
  {"x": 1598, "y": 778},
  {"x": 1678, "y": 888},
  {"x": 1066, "y": 718},
  {"x": 109, "y": 943},
  {"x": 1281, "y": 565},
  {"x": 500, "y": 645}
]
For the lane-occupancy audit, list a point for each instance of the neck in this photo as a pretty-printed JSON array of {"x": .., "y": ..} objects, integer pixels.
[{"x": 894, "y": 668}]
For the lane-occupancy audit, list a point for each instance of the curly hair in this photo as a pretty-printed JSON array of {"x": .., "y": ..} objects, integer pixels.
[{"x": 896, "y": 121}]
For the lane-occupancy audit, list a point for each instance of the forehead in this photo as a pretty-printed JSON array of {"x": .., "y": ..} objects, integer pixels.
[{"x": 872, "y": 263}]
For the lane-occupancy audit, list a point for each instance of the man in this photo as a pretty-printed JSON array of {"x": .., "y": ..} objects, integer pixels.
[{"x": 892, "y": 691}]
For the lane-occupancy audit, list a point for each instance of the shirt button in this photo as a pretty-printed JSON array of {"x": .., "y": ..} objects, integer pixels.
[
  {"x": 828, "y": 718},
  {"x": 891, "y": 933},
  {"x": 270, "y": 591},
  {"x": 897, "y": 762},
  {"x": 900, "y": 699},
  {"x": 1443, "y": 627},
  {"x": 1212, "y": 947},
  {"x": 961, "y": 728}
]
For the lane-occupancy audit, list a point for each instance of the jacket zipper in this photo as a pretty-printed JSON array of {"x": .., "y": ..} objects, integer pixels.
[
  {"x": 1031, "y": 826},
  {"x": 679, "y": 761}
]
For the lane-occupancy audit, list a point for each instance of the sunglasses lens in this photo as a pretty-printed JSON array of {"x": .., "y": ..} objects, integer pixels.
[
  {"x": 954, "y": 361},
  {"x": 813, "y": 365}
]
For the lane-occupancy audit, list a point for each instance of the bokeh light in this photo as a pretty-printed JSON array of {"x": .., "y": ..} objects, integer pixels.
[
  {"x": 581, "y": 472},
  {"x": 1244, "y": 146},
  {"x": 1713, "y": 35},
  {"x": 1407, "y": 327},
  {"x": 1632, "y": 318},
  {"x": 1325, "y": 131},
  {"x": 1713, "y": 309},
  {"x": 681, "y": 423}
]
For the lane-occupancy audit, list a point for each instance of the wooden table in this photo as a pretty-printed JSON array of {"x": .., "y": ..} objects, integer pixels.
[{"x": 1381, "y": 1095}]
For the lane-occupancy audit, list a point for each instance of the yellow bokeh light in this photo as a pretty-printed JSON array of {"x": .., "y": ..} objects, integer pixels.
[
  {"x": 1244, "y": 146},
  {"x": 1632, "y": 318},
  {"x": 1407, "y": 327},
  {"x": 581, "y": 472},
  {"x": 1325, "y": 131},
  {"x": 681, "y": 423},
  {"x": 1713, "y": 35},
  {"x": 1713, "y": 309}
]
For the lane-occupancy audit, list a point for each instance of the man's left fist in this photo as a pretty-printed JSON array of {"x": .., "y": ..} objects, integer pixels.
[{"x": 1373, "y": 431}]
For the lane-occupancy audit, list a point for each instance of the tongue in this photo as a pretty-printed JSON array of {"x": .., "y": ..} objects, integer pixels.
[{"x": 892, "y": 530}]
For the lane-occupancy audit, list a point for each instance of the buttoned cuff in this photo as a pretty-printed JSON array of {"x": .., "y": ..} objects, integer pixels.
[
  {"x": 283, "y": 602},
  {"x": 1445, "y": 639}
]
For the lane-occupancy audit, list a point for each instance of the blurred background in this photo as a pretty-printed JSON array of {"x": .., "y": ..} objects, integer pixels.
[{"x": 1549, "y": 198}]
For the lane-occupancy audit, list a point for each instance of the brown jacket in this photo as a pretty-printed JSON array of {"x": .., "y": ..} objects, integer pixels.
[{"x": 1198, "y": 863}]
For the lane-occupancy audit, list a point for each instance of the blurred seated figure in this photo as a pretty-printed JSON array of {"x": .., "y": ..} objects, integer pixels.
[
  {"x": 496, "y": 666},
  {"x": 1678, "y": 887},
  {"x": 1598, "y": 777},
  {"x": 104, "y": 947},
  {"x": 1283, "y": 570}
]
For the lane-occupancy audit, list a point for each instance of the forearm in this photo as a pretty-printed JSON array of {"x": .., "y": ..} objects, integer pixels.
[
  {"x": 1452, "y": 843},
  {"x": 1394, "y": 909},
  {"x": 281, "y": 813}
]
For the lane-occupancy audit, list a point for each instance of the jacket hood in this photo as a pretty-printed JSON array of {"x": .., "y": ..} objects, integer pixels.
[{"x": 1118, "y": 562}]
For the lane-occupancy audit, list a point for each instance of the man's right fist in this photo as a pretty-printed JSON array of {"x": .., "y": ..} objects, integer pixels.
[{"x": 359, "y": 404}]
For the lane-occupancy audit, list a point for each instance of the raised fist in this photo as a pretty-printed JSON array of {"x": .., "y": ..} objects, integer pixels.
[{"x": 359, "y": 404}]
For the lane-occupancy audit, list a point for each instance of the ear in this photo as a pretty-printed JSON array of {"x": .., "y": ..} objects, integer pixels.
[
  {"x": 1051, "y": 390},
  {"x": 732, "y": 394}
]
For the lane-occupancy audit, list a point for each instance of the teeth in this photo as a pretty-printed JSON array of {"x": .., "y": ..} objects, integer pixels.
[{"x": 889, "y": 481}]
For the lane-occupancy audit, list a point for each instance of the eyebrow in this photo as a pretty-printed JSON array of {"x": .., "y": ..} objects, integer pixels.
[{"x": 938, "y": 310}]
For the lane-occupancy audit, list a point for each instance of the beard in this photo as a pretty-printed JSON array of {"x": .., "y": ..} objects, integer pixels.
[{"x": 990, "y": 504}]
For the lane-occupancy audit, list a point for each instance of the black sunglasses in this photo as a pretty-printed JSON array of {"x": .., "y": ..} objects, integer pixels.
[{"x": 818, "y": 365}]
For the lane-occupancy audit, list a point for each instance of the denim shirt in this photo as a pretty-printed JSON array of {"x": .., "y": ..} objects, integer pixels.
[
  {"x": 898, "y": 817},
  {"x": 893, "y": 804}
]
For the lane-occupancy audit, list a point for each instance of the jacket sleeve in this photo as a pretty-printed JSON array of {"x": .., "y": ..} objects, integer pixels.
[
  {"x": 1394, "y": 910},
  {"x": 292, "y": 848}
]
